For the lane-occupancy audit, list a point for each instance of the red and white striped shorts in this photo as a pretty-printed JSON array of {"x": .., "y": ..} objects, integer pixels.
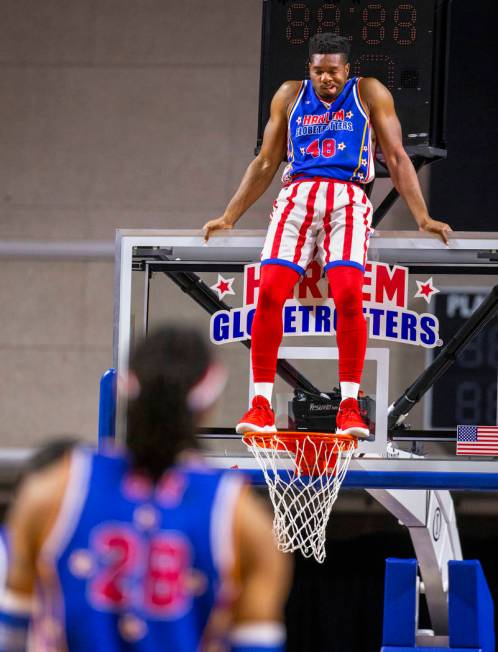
[{"x": 319, "y": 218}]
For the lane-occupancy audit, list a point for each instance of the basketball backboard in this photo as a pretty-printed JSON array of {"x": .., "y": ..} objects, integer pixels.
[
  {"x": 410, "y": 469},
  {"x": 174, "y": 275}
]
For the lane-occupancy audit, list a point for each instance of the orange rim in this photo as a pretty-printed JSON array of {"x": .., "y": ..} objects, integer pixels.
[
  {"x": 309, "y": 460},
  {"x": 286, "y": 436}
]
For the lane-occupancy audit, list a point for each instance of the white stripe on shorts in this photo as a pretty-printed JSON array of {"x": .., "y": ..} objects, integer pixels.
[{"x": 311, "y": 214}]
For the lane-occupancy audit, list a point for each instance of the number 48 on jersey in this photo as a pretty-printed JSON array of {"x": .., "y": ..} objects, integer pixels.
[{"x": 326, "y": 150}]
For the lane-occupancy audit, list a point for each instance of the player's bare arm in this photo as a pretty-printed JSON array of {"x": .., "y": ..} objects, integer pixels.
[
  {"x": 263, "y": 168},
  {"x": 385, "y": 122},
  {"x": 265, "y": 571},
  {"x": 29, "y": 522}
]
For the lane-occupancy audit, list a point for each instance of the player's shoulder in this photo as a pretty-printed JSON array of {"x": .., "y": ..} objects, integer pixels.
[
  {"x": 289, "y": 87},
  {"x": 373, "y": 91},
  {"x": 44, "y": 484},
  {"x": 287, "y": 93},
  {"x": 41, "y": 488},
  {"x": 371, "y": 83}
]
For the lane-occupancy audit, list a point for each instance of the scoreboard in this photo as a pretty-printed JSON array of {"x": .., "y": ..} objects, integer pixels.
[{"x": 403, "y": 44}]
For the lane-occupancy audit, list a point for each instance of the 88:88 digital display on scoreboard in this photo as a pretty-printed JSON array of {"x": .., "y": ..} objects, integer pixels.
[{"x": 403, "y": 44}]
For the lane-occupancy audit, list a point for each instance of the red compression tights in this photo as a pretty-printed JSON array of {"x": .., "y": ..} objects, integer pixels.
[
  {"x": 275, "y": 285},
  {"x": 346, "y": 284}
]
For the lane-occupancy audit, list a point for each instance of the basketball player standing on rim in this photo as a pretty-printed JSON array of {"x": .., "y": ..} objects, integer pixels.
[
  {"x": 145, "y": 549},
  {"x": 324, "y": 128}
]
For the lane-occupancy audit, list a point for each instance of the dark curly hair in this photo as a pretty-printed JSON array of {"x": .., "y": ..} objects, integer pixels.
[
  {"x": 329, "y": 43},
  {"x": 159, "y": 422}
]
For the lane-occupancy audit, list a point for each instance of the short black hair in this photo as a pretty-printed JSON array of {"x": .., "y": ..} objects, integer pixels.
[{"x": 329, "y": 43}]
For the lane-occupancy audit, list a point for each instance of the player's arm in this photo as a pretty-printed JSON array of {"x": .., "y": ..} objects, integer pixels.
[
  {"x": 262, "y": 169},
  {"x": 387, "y": 128},
  {"x": 265, "y": 578},
  {"x": 29, "y": 520}
]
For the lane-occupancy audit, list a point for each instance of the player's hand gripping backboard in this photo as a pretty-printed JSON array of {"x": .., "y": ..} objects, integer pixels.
[
  {"x": 440, "y": 229},
  {"x": 218, "y": 224}
]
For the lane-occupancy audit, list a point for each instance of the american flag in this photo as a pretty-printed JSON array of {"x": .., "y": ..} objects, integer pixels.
[{"x": 477, "y": 440}]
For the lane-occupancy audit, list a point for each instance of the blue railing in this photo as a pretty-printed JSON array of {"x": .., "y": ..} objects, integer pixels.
[{"x": 107, "y": 406}]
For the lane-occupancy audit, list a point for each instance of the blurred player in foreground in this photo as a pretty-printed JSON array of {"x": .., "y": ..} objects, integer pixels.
[
  {"x": 148, "y": 550},
  {"x": 45, "y": 456}
]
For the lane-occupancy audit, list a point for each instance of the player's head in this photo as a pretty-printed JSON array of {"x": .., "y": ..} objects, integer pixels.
[
  {"x": 328, "y": 64},
  {"x": 172, "y": 381}
]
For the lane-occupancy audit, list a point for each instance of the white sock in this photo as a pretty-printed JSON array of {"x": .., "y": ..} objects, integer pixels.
[
  {"x": 349, "y": 390},
  {"x": 264, "y": 389}
]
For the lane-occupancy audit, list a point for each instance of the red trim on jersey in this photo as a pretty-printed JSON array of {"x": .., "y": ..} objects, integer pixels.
[
  {"x": 310, "y": 209},
  {"x": 293, "y": 103},
  {"x": 369, "y": 152},
  {"x": 363, "y": 105},
  {"x": 348, "y": 234},
  {"x": 280, "y": 228},
  {"x": 371, "y": 155}
]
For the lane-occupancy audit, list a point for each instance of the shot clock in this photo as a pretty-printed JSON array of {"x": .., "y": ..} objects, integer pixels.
[{"x": 403, "y": 44}]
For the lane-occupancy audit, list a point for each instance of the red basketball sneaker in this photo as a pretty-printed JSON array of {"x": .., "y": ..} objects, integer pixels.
[
  {"x": 349, "y": 420},
  {"x": 259, "y": 418}
]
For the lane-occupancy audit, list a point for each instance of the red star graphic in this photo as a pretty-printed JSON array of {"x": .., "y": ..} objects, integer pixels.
[
  {"x": 223, "y": 286},
  {"x": 426, "y": 290}
]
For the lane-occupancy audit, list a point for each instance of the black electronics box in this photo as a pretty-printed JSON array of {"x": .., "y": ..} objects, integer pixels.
[{"x": 317, "y": 412}]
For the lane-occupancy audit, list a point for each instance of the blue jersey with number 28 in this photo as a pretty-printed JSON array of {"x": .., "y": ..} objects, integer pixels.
[
  {"x": 331, "y": 140},
  {"x": 131, "y": 565}
]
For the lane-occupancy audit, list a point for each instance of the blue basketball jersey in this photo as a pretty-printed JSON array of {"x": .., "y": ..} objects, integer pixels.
[
  {"x": 131, "y": 565},
  {"x": 329, "y": 140},
  {"x": 4, "y": 557}
]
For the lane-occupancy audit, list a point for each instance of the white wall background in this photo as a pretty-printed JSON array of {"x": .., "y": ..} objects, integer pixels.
[{"x": 113, "y": 113}]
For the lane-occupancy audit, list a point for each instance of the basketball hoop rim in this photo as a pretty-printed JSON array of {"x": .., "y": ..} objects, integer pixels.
[{"x": 286, "y": 436}]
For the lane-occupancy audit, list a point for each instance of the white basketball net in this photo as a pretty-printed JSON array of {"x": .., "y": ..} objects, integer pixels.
[{"x": 304, "y": 474}]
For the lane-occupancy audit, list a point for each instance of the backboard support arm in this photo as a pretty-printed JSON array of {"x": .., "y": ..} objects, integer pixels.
[{"x": 401, "y": 407}]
